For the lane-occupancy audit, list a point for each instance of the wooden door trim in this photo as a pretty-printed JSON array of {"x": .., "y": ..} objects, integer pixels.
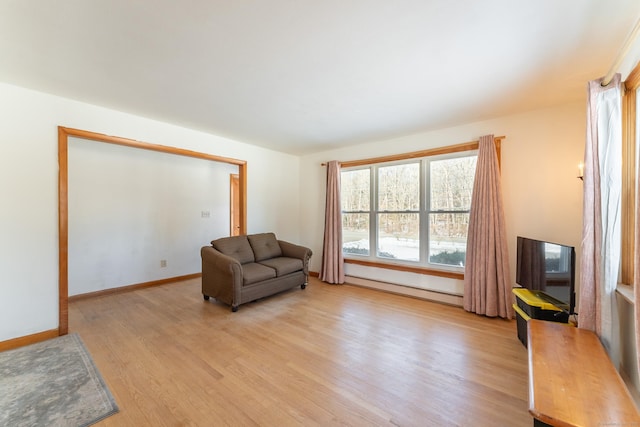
[
  {"x": 234, "y": 203},
  {"x": 63, "y": 199}
]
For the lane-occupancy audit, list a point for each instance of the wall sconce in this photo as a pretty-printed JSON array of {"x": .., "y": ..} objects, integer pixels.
[{"x": 581, "y": 170}]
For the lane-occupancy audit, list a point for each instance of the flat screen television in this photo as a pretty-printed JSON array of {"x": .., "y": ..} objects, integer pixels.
[{"x": 548, "y": 270}]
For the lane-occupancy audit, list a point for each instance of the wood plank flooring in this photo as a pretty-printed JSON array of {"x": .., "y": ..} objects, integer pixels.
[{"x": 328, "y": 355}]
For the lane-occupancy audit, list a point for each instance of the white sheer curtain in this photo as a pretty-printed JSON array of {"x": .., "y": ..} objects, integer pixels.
[
  {"x": 487, "y": 289},
  {"x": 601, "y": 215},
  {"x": 332, "y": 269}
]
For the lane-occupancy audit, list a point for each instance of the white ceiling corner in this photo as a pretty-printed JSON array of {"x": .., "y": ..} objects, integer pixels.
[{"x": 303, "y": 76}]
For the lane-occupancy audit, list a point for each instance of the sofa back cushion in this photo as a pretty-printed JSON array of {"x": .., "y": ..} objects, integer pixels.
[
  {"x": 265, "y": 246},
  {"x": 237, "y": 247}
]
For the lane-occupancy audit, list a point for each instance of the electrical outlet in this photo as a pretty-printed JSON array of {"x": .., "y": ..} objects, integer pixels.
[{"x": 163, "y": 263}]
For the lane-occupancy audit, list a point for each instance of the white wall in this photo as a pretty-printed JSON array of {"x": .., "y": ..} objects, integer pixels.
[
  {"x": 28, "y": 190},
  {"x": 542, "y": 195},
  {"x": 131, "y": 208}
]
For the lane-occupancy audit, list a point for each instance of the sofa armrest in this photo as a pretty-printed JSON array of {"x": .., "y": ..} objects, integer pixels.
[
  {"x": 221, "y": 276},
  {"x": 296, "y": 251}
]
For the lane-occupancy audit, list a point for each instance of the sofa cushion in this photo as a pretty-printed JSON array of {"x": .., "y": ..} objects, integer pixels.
[
  {"x": 283, "y": 265},
  {"x": 254, "y": 272},
  {"x": 265, "y": 246},
  {"x": 237, "y": 247}
]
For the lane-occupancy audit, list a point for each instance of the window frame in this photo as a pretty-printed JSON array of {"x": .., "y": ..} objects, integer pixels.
[
  {"x": 377, "y": 211},
  {"x": 629, "y": 176},
  {"x": 359, "y": 212},
  {"x": 408, "y": 266},
  {"x": 429, "y": 210}
]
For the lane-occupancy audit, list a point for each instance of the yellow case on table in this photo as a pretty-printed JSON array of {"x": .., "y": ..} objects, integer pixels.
[
  {"x": 537, "y": 308},
  {"x": 529, "y": 305}
]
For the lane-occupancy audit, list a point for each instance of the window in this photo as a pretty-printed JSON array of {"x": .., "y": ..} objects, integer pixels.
[
  {"x": 451, "y": 187},
  {"x": 411, "y": 212},
  {"x": 355, "y": 198},
  {"x": 631, "y": 140},
  {"x": 398, "y": 213}
]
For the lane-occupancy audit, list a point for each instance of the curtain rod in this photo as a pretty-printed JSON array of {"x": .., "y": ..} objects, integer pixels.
[
  {"x": 471, "y": 145},
  {"x": 622, "y": 54}
]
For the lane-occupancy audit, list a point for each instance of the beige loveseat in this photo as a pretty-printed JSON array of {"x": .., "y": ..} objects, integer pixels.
[{"x": 240, "y": 269}]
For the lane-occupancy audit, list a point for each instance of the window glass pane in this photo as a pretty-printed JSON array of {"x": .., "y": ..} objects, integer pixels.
[
  {"x": 556, "y": 258},
  {"x": 452, "y": 183},
  {"x": 398, "y": 236},
  {"x": 448, "y": 238},
  {"x": 399, "y": 187},
  {"x": 354, "y": 190},
  {"x": 355, "y": 234}
]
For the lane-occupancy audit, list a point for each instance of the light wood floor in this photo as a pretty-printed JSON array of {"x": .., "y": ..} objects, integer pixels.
[{"x": 328, "y": 355}]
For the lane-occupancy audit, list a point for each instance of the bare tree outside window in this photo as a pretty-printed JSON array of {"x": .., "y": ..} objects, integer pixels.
[
  {"x": 450, "y": 201},
  {"x": 416, "y": 211},
  {"x": 355, "y": 199},
  {"x": 398, "y": 211}
]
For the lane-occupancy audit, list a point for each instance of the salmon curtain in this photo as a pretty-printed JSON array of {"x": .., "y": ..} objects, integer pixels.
[
  {"x": 332, "y": 269},
  {"x": 487, "y": 290},
  {"x": 601, "y": 220}
]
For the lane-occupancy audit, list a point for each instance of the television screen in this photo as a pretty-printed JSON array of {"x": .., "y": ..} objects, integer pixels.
[{"x": 548, "y": 270}]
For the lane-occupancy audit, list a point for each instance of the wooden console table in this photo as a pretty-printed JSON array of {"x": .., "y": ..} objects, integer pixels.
[{"x": 572, "y": 381}]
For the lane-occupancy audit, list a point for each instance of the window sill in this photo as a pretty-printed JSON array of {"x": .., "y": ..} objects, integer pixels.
[
  {"x": 407, "y": 268},
  {"x": 626, "y": 292}
]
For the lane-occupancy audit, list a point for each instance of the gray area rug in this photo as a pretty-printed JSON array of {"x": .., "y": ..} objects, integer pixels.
[{"x": 52, "y": 383}]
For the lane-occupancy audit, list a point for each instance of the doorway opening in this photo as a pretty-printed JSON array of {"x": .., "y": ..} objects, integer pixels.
[{"x": 63, "y": 200}]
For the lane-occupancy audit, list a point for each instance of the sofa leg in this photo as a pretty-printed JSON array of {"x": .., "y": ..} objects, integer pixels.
[
  {"x": 303, "y": 286},
  {"x": 206, "y": 297},
  {"x": 234, "y": 308}
]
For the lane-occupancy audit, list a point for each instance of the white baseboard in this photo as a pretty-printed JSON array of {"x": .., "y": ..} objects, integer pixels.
[{"x": 406, "y": 290}]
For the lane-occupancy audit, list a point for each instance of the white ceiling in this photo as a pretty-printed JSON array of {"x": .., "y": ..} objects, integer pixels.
[{"x": 303, "y": 76}]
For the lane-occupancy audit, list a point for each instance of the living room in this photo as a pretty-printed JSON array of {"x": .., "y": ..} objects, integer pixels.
[{"x": 285, "y": 190}]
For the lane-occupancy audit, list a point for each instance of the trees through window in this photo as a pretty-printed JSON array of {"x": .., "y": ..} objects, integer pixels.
[{"x": 412, "y": 211}]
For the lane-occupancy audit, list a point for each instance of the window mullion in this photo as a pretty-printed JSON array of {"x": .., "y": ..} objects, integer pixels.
[
  {"x": 373, "y": 214},
  {"x": 424, "y": 215},
  {"x": 427, "y": 228}
]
